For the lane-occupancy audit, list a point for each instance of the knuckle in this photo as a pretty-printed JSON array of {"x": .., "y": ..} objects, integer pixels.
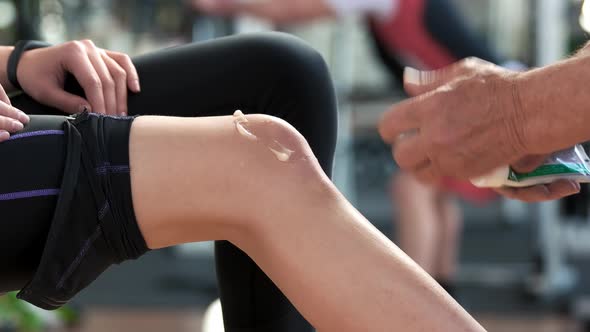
[
  {"x": 125, "y": 57},
  {"x": 119, "y": 74},
  {"x": 75, "y": 47},
  {"x": 95, "y": 83},
  {"x": 88, "y": 42},
  {"x": 108, "y": 83},
  {"x": 472, "y": 61},
  {"x": 466, "y": 63},
  {"x": 121, "y": 57},
  {"x": 10, "y": 112},
  {"x": 6, "y": 123}
]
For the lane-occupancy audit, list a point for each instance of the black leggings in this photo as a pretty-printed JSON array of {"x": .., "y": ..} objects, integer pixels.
[{"x": 271, "y": 74}]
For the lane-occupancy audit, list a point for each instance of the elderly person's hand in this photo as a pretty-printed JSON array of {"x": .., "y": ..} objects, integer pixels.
[
  {"x": 464, "y": 122},
  {"x": 474, "y": 116},
  {"x": 104, "y": 75},
  {"x": 277, "y": 11}
]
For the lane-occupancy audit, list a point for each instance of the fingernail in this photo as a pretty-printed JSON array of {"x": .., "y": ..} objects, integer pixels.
[
  {"x": 4, "y": 135},
  {"x": 135, "y": 86},
  {"x": 83, "y": 108},
  {"x": 576, "y": 186},
  {"x": 22, "y": 117},
  {"x": 405, "y": 135},
  {"x": 412, "y": 76},
  {"x": 123, "y": 114},
  {"x": 16, "y": 126}
]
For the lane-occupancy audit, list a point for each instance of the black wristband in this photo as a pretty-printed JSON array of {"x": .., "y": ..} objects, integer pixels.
[{"x": 20, "y": 48}]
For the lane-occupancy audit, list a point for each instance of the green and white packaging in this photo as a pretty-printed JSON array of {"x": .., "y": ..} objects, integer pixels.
[{"x": 570, "y": 164}]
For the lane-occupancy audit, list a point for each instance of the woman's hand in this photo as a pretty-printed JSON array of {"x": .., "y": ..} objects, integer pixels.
[
  {"x": 104, "y": 75},
  {"x": 11, "y": 119}
]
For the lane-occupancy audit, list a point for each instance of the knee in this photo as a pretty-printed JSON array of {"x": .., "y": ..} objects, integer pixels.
[
  {"x": 280, "y": 165},
  {"x": 280, "y": 152},
  {"x": 285, "y": 148}
]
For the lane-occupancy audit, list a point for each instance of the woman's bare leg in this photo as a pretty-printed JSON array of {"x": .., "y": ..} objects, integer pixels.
[
  {"x": 201, "y": 179},
  {"x": 450, "y": 238},
  {"x": 418, "y": 220}
]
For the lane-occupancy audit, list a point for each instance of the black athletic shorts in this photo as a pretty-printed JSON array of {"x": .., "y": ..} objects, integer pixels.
[{"x": 94, "y": 225}]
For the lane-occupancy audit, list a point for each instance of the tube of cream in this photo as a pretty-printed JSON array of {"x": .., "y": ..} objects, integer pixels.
[{"x": 570, "y": 164}]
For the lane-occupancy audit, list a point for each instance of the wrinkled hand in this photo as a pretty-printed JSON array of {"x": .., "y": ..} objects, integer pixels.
[
  {"x": 11, "y": 119},
  {"x": 104, "y": 75},
  {"x": 465, "y": 121}
]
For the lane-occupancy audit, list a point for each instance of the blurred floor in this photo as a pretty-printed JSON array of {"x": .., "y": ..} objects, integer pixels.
[
  {"x": 502, "y": 324},
  {"x": 190, "y": 321},
  {"x": 145, "y": 321}
]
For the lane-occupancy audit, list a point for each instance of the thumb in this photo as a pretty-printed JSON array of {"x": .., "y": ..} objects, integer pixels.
[
  {"x": 66, "y": 102},
  {"x": 4, "y": 96},
  {"x": 528, "y": 163}
]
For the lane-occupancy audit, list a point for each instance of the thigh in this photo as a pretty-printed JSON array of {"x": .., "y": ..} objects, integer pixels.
[{"x": 30, "y": 178}]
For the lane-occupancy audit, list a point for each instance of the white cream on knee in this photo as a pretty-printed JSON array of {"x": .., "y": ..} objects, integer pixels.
[
  {"x": 272, "y": 142},
  {"x": 240, "y": 120}
]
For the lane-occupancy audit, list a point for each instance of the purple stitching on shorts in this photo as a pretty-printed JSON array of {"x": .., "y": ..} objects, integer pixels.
[
  {"x": 29, "y": 194},
  {"x": 89, "y": 242},
  {"x": 36, "y": 133},
  {"x": 107, "y": 168}
]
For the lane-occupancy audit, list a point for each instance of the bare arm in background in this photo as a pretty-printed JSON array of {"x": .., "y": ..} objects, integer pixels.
[{"x": 289, "y": 11}]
